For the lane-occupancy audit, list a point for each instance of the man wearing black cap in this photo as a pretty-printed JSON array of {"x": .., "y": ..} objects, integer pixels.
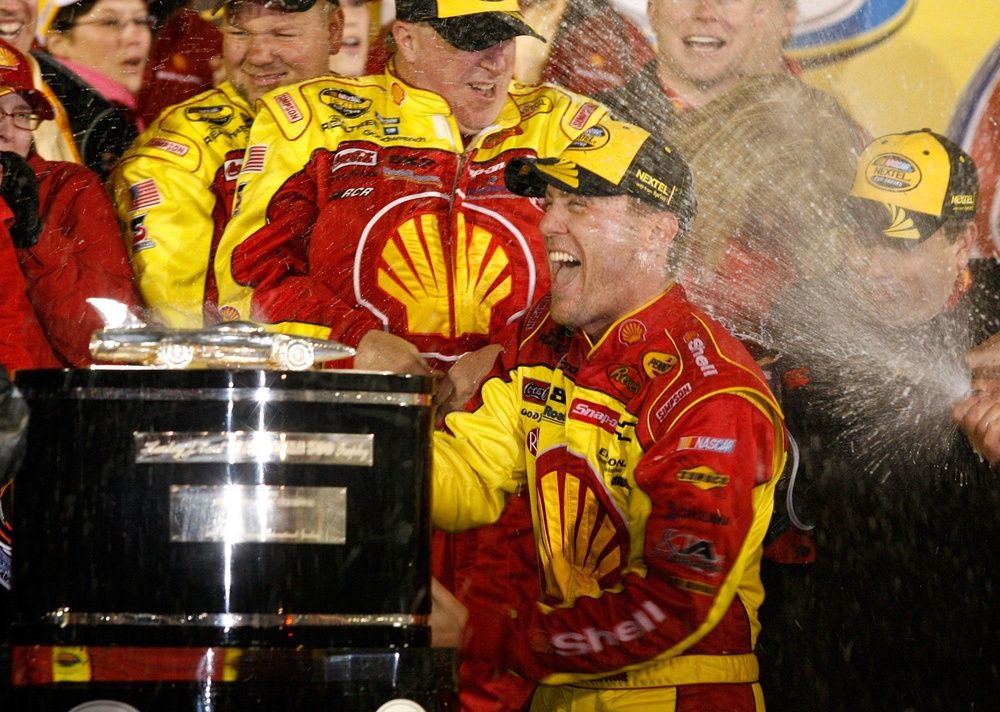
[
  {"x": 647, "y": 439},
  {"x": 893, "y": 614},
  {"x": 174, "y": 188},
  {"x": 377, "y": 213}
]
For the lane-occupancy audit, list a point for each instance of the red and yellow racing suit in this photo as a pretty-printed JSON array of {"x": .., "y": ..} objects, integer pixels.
[
  {"x": 650, "y": 459},
  {"x": 361, "y": 207},
  {"x": 173, "y": 191}
]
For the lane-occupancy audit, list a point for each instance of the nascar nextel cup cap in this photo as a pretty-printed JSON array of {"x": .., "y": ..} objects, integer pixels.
[
  {"x": 611, "y": 158},
  {"x": 910, "y": 183},
  {"x": 469, "y": 25},
  {"x": 16, "y": 77}
]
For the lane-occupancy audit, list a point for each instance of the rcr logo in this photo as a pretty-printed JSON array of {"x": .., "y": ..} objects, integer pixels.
[{"x": 593, "y": 640}]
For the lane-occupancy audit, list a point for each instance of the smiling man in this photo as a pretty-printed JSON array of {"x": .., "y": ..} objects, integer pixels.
[
  {"x": 375, "y": 212},
  {"x": 174, "y": 189},
  {"x": 648, "y": 441}
]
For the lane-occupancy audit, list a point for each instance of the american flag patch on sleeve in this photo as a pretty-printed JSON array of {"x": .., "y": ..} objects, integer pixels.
[
  {"x": 253, "y": 160},
  {"x": 144, "y": 194}
]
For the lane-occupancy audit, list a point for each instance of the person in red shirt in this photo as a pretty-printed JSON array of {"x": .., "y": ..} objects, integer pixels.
[{"x": 79, "y": 251}]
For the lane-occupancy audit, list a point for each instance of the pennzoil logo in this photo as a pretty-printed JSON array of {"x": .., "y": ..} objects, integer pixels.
[
  {"x": 217, "y": 115},
  {"x": 594, "y": 137},
  {"x": 631, "y": 332},
  {"x": 891, "y": 171},
  {"x": 541, "y": 105},
  {"x": 658, "y": 363},
  {"x": 344, "y": 103},
  {"x": 703, "y": 477}
]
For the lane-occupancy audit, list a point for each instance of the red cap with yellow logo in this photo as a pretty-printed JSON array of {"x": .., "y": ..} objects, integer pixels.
[{"x": 16, "y": 77}]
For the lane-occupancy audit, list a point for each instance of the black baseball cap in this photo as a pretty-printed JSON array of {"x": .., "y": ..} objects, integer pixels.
[
  {"x": 469, "y": 25},
  {"x": 612, "y": 158}
]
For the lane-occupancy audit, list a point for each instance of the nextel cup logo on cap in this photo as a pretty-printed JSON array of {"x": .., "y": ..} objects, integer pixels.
[{"x": 891, "y": 171}]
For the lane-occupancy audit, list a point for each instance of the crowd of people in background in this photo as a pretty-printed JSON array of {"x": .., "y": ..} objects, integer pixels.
[{"x": 428, "y": 185}]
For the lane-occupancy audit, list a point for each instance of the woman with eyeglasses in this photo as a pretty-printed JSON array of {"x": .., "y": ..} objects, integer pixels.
[
  {"x": 58, "y": 227},
  {"x": 96, "y": 54}
]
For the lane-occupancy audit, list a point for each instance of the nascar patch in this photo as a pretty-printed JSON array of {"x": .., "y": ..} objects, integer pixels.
[{"x": 707, "y": 444}]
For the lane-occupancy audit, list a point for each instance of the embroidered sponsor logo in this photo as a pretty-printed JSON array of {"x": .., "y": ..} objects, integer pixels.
[
  {"x": 690, "y": 551},
  {"x": 657, "y": 363},
  {"x": 253, "y": 160},
  {"x": 579, "y": 120},
  {"x": 288, "y": 107},
  {"x": 178, "y": 149},
  {"x": 539, "y": 105},
  {"x": 345, "y": 103},
  {"x": 594, "y": 640},
  {"x": 674, "y": 511},
  {"x": 143, "y": 194},
  {"x": 231, "y": 168},
  {"x": 353, "y": 157},
  {"x": 535, "y": 391},
  {"x": 612, "y": 464},
  {"x": 595, "y": 414},
  {"x": 218, "y": 115},
  {"x": 631, "y": 332},
  {"x": 708, "y": 444},
  {"x": 140, "y": 237},
  {"x": 697, "y": 348},
  {"x": 495, "y": 168},
  {"x": 693, "y": 586},
  {"x": 594, "y": 137},
  {"x": 704, "y": 478},
  {"x": 625, "y": 378},
  {"x": 410, "y": 175},
  {"x": 356, "y": 192},
  {"x": 499, "y": 137},
  {"x": 672, "y": 401},
  {"x": 553, "y": 416},
  {"x": 531, "y": 441}
]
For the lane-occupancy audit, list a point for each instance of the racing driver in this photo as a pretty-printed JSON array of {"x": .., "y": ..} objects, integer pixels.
[{"x": 649, "y": 445}]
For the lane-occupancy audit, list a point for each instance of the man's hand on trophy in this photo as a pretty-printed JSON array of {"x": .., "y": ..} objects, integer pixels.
[
  {"x": 448, "y": 617},
  {"x": 382, "y": 351}
]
